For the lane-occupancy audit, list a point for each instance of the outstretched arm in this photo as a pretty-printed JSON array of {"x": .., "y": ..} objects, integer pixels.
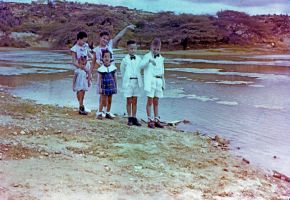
[{"x": 118, "y": 37}]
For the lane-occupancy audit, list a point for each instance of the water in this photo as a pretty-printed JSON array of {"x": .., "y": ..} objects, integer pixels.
[{"x": 245, "y": 98}]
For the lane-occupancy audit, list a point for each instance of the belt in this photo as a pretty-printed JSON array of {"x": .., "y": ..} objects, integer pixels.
[
  {"x": 133, "y": 78},
  {"x": 158, "y": 76}
]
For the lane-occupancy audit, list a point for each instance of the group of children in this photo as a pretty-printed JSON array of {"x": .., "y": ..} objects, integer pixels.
[{"x": 102, "y": 57}]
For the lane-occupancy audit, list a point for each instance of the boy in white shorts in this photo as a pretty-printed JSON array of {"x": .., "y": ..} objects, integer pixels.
[
  {"x": 154, "y": 82},
  {"x": 132, "y": 81}
]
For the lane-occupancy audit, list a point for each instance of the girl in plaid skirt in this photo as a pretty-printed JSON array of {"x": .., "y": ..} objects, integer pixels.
[{"x": 107, "y": 84}]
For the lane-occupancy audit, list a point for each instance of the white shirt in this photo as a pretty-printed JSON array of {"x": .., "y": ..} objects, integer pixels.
[
  {"x": 98, "y": 50},
  {"x": 130, "y": 68},
  {"x": 150, "y": 70},
  {"x": 81, "y": 50}
]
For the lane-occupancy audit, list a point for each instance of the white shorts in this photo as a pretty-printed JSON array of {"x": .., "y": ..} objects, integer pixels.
[
  {"x": 133, "y": 90},
  {"x": 157, "y": 91}
]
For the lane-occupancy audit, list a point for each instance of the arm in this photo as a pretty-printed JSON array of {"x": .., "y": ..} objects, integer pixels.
[
  {"x": 118, "y": 37},
  {"x": 100, "y": 82},
  {"x": 122, "y": 68},
  {"x": 145, "y": 62},
  {"x": 75, "y": 60},
  {"x": 115, "y": 77}
]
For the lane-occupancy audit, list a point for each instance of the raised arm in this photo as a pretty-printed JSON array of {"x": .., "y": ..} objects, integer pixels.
[{"x": 118, "y": 37}]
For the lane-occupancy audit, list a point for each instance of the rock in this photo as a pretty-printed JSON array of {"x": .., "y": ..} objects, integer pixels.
[
  {"x": 23, "y": 156},
  {"x": 58, "y": 132},
  {"x": 14, "y": 133},
  {"x": 274, "y": 157},
  {"x": 1, "y": 156},
  {"x": 246, "y": 161},
  {"x": 136, "y": 168},
  {"x": 22, "y": 132},
  {"x": 107, "y": 168}
]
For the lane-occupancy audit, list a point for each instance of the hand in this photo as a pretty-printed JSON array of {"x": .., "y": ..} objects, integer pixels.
[
  {"x": 152, "y": 62},
  {"x": 132, "y": 27}
]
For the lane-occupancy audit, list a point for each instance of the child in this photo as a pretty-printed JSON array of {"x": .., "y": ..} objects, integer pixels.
[
  {"x": 106, "y": 43},
  {"x": 107, "y": 84},
  {"x": 81, "y": 82},
  {"x": 81, "y": 48},
  {"x": 154, "y": 82},
  {"x": 132, "y": 81}
]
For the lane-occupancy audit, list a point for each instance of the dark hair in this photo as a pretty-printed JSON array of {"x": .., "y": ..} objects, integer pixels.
[
  {"x": 104, "y": 51},
  {"x": 131, "y": 42},
  {"x": 104, "y": 33},
  {"x": 156, "y": 42},
  {"x": 81, "y": 35}
]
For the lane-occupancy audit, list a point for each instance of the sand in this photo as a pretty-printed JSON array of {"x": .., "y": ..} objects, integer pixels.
[{"x": 48, "y": 152}]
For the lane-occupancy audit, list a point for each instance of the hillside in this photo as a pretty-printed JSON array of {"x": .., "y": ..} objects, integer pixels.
[{"x": 56, "y": 26}]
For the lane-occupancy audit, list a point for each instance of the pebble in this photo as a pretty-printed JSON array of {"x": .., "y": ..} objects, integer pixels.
[
  {"x": 22, "y": 132},
  {"x": 137, "y": 168},
  {"x": 14, "y": 133},
  {"x": 107, "y": 168},
  {"x": 1, "y": 157},
  {"x": 23, "y": 156}
]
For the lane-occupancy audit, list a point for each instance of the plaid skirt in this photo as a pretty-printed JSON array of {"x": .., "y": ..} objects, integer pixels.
[{"x": 108, "y": 84}]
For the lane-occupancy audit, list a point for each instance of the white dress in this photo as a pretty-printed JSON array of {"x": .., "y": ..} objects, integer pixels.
[{"x": 81, "y": 79}]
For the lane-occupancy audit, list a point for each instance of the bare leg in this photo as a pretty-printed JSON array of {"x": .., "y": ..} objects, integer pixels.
[
  {"x": 109, "y": 102},
  {"x": 134, "y": 106},
  {"x": 129, "y": 106},
  {"x": 155, "y": 105},
  {"x": 148, "y": 106},
  {"x": 102, "y": 102}
]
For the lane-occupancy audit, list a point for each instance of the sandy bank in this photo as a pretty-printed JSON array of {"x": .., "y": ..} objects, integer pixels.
[{"x": 47, "y": 152}]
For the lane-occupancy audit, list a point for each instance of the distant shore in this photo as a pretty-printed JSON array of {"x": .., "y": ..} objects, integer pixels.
[{"x": 49, "y": 152}]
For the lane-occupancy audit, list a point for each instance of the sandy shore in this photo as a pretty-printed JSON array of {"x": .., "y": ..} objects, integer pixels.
[{"x": 47, "y": 152}]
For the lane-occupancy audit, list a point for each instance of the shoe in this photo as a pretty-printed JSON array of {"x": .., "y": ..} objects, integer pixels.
[
  {"x": 82, "y": 111},
  {"x": 109, "y": 116},
  {"x": 151, "y": 123},
  {"x": 130, "y": 123},
  {"x": 135, "y": 121},
  {"x": 99, "y": 115},
  {"x": 157, "y": 123}
]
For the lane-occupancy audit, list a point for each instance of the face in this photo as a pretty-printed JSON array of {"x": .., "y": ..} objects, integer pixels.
[
  {"x": 104, "y": 40},
  {"x": 132, "y": 48},
  {"x": 155, "y": 49},
  {"x": 81, "y": 42},
  {"x": 107, "y": 59}
]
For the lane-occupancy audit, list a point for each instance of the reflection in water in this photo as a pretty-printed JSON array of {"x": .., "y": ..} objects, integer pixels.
[{"x": 250, "y": 106}]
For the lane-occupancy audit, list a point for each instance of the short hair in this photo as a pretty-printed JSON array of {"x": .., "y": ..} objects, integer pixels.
[
  {"x": 104, "y": 33},
  {"x": 81, "y": 35},
  {"x": 131, "y": 42},
  {"x": 156, "y": 42},
  {"x": 104, "y": 51}
]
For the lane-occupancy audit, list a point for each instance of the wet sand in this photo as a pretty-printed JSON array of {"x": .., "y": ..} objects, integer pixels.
[{"x": 48, "y": 152}]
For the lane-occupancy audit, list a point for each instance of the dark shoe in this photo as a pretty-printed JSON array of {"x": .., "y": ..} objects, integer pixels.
[
  {"x": 151, "y": 124},
  {"x": 108, "y": 116},
  {"x": 82, "y": 111},
  {"x": 158, "y": 124},
  {"x": 99, "y": 116},
  {"x": 130, "y": 123},
  {"x": 135, "y": 121}
]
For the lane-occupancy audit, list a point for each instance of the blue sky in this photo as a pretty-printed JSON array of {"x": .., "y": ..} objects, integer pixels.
[{"x": 198, "y": 6}]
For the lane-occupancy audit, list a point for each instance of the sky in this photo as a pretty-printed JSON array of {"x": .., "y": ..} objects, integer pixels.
[{"x": 251, "y": 7}]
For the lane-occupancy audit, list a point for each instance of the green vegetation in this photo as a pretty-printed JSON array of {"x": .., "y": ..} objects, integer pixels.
[{"x": 59, "y": 24}]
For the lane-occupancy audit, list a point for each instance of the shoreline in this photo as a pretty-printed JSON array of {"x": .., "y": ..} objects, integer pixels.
[{"x": 50, "y": 148}]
